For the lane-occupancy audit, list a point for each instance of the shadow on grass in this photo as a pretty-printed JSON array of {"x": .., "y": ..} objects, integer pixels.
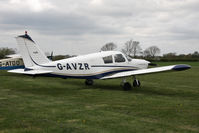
[
  {"x": 63, "y": 87},
  {"x": 147, "y": 90}
]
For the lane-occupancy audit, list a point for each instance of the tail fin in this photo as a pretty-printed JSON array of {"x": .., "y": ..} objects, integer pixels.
[{"x": 30, "y": 52}]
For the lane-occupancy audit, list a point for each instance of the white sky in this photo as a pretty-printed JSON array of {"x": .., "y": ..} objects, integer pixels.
[{"x": 84, "y": 26}]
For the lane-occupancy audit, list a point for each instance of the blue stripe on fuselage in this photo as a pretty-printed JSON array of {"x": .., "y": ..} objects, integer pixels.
[
  {"x": 11, "y": 67},
  {"x": 111, "y": 66},
  {"x": 97, "y": 76}
]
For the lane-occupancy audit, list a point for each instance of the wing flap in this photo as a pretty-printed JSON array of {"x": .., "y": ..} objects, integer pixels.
[
  {"x": 30, "y": 72},
  {"x": 149, "y": 70}
]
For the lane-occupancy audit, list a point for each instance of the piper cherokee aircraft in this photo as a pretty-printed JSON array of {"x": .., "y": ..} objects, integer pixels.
[{"x": 101, "y": 65}]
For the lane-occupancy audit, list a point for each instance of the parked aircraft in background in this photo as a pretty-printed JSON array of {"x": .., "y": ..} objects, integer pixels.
[
  {"x": 15, "y": 61},
  {"x": 102, "y": 65},
  {"x": 11, "y": 62}
]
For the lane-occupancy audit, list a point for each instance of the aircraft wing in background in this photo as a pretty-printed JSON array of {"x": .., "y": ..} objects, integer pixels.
[{"x": 14, "y": 56}]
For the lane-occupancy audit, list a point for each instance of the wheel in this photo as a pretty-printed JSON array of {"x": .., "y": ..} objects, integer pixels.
[
  {"x": 136, "y": 83},
  {"x": 89, "y": 82},
  {"x": 127, "y": 86}
]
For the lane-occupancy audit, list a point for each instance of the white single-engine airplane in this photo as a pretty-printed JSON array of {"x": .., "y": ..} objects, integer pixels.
[{"x": 102, "y": 65}]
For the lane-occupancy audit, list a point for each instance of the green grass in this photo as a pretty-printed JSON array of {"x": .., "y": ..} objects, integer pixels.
[{"x": 166, "y": 102}]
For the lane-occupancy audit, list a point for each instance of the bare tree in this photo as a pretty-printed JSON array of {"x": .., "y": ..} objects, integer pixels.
[
  {"x": 146, "y": 53},
  {"x": 109, "y": 46},
  {"x": 151, "y": 51},
  {"x": 132, "y": 48}
]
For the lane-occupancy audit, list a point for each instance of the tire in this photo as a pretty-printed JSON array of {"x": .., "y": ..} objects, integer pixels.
[
  {"x": 89, "y": 82},
  {"x": 127, "y": 86}
]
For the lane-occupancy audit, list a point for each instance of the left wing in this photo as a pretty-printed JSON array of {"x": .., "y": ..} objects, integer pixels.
[
  {"x": 147, "y": 71},
  {"x": 30, "y": 72}
]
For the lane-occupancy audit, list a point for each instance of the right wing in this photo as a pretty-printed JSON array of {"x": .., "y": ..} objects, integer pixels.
[{"x": 147, "y": 71}]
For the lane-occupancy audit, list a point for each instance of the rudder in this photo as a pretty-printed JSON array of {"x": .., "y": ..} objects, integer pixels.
[{"x": 30, "y": 51}]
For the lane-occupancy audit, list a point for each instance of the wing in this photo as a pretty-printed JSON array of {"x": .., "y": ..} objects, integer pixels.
[
  {"x": 147, "y": 71},
  {"x": 14, "y": 56},
  {"x": 29, "y": 72}
]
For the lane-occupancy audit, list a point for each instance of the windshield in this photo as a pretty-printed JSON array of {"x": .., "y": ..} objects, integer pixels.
[
  {"x": 119, "y": 58},
  {"x": 128, "y": 58}
]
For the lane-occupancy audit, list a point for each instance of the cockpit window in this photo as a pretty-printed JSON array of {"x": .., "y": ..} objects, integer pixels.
[
  {"x": 119, "y": 58},
  {"x": 128, "y": 58},
  {"x": 108, "y": 59}
]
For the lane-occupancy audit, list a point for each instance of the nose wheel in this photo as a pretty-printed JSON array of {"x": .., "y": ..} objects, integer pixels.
[
  {"x": 127, "y": 86},
  {"x": 136, "y": 83}
]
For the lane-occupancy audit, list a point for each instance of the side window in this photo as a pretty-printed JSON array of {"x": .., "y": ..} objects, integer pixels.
[
  {"x": 119, "y": 58},
  {"x": 108, "y": 59}
]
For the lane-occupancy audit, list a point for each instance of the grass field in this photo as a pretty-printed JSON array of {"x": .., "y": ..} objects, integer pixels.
[{"x": 166, "y": 102}]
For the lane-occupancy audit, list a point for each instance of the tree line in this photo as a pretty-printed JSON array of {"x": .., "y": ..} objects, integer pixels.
[
  {"x": 131, "y": 48},
  {"x": 6, "y": 51},
  {"x": 182, "y": 57}
]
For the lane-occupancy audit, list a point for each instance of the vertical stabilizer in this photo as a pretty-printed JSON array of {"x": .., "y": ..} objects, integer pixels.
[{"x": 30, "y": 52}]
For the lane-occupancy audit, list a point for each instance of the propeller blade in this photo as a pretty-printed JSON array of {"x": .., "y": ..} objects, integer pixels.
[
  {"x": 51, "y": 56},
  {"x": 153, "y": 64}
]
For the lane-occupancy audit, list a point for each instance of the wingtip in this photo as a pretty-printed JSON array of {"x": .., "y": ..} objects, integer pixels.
[{"x": 181, "y": 67}]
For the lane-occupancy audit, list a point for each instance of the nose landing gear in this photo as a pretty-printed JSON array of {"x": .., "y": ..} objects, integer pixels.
[
  {"x": 136, "y": 82},
  {"x": 127, "y": 86}
]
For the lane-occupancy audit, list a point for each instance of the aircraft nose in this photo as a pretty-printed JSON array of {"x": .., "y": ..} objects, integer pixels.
[
  {"x": 145, "y": 62},
  {"x": 148, "y": 62},
  {"x": 152, "y": 64}
]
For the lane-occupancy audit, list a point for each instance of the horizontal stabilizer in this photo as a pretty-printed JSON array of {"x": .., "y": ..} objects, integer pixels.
[
  {"x": 30, "y": 72},
  {"x": 147, "y": 71}
]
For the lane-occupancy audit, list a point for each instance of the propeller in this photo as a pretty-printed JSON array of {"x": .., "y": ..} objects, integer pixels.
[
  {"x": 152, "y": 64},
  {"x": 51, "y": 56}
]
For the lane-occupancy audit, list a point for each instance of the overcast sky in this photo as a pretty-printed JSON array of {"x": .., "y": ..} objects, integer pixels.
[{"x": 84, "y": 26}]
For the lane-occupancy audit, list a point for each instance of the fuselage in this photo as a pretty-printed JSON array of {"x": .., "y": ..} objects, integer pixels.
[{"x": 93, "y": 66}]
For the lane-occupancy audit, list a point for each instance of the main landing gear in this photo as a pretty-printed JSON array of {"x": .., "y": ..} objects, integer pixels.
[
  {"x": 127, "y": 86},
  {"x": 89, "y": 82}
]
